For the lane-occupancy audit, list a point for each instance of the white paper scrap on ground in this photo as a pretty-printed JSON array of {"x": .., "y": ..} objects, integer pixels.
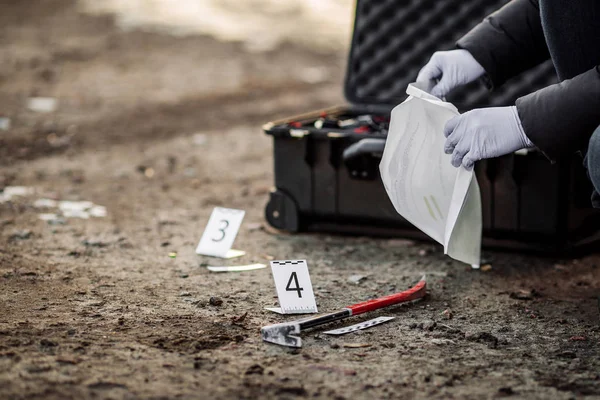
[
  {"x": 443, "y": 201},
  {"x": 236, "y": 268},
  {"x": 15, "y": 191},
  {"x": 44, "y": 203},
  {"x": 359, "y": 326},
  {"x": 220, "y": 232},
  {"x": 4, "y": 124},
  {"x": 294, "y": 288},
  {"x": 42, "y": 104}
]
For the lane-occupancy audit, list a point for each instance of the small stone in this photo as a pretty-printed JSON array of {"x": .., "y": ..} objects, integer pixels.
[
  {"x": 356, "y": 279},
  {"x": 524, "y": 294},
  {"x": 447, "y": 313},
  {"x": 186, "y": 294},
  {"x": 94, "y": 243},
  {"x": 21, "y": 235},
  {"x": 429, "y": 325},
  {"x": 422, "y": 252},
  {"x": 506, "y": 391},
  {"x": 255, "y": 369},
  {"x": 215, "y": 301},
  {"x": 486, "y": 268}
]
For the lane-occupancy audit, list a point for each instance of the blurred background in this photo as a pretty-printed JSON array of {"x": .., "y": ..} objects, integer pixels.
[{"x": 244, "y": 61}]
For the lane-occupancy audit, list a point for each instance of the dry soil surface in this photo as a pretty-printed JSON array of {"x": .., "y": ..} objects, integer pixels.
[{"x": 162, "y": 129}]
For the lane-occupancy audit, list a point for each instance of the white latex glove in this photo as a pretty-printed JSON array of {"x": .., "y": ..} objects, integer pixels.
[
  {"x": 452, "y": 68},
  {"x": 484, "y": 133}
]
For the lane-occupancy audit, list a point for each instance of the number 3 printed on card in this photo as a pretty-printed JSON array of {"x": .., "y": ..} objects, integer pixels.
[{"x": 220, "y": 232}]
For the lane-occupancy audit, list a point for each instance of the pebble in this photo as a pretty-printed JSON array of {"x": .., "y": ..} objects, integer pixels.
[
  {"x": 215, "y": 301},
  {"x": 428, "y": 325},
  {"x": 21, "y": 235},
  {"x": 186, "y": 294},
  {"x": 356, "y": 279}
]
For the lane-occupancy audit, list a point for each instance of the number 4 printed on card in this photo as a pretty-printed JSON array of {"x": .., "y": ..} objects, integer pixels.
[
  {"x": 294, "y": 288},
  {"x": 220, "y": 233}
]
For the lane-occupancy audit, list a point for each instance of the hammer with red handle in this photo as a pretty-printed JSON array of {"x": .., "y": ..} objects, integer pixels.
[{"x": 286, "y": 334}]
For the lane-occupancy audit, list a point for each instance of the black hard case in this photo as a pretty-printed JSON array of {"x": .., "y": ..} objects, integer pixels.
[{"x": 328, "y": 179}]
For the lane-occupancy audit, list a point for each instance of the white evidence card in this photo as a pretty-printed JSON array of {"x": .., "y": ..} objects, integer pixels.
[
  {"x": 294, "y": 288},
  {"x": 220, "y": 232},
  {"x": 361, "y": 325}
]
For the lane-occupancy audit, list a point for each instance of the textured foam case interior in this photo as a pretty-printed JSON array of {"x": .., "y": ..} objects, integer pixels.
[{"x": 393, "y": 39}]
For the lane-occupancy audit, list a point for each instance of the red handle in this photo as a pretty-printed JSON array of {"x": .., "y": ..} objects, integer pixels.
[{"x": 414, "y": 293}]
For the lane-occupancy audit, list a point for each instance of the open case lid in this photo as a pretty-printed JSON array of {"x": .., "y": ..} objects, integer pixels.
[{"x": 393, "y": 39}]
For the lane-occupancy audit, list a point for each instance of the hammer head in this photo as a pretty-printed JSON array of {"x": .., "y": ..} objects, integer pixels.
[{"x": 285, "y": 334}]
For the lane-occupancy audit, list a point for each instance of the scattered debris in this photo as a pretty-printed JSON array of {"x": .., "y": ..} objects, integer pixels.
[
  {"x": 577, "y": 338},
  {"x": 172, "y": 254},
  {"x": 486, "y": 268},
  {"x": 362, "y": 325},
  {"x": 442, "y": 342},
  {"x": 398, "y": 243},
  {"x": 15, "y": 191},
  {"x": 4, "y": 124},
  {"x": 524, "y": 294},
  {"x": 255, "y": 226},
  {"x": 506, "y": 391},
  {"x": 255, "y": 369},
  {"x": 356, "y": 279},
  {"x": 236, "y": 268},
  {"x": 356, "y": 345},
  {"x": 239, "y": 318},
  {"x": 428, "y": 325},
  {"x": 560, "y": 267},
  {"x": 75, "y": 209},
  {"x": 348, "y": 372},
  {"x": 94, "y": 243},
  {"x": 45, "y": 203},
  {"x": 447, "y": 313},
  {"x": 52, "y": 219},
  {"x": 199, "y": 139},
  {"x": 98, "y": 211},
  {"x": 215, "y": 301},
  {"x": 21, "y": 235},
  {"x": 42, "y": 104},
  {"x": 482, "y": 337}
]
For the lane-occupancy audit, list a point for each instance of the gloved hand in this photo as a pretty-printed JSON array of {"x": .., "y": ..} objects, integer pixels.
[
  {"x": 453, "y": 68},
  {"x": 484, "y": 133}
]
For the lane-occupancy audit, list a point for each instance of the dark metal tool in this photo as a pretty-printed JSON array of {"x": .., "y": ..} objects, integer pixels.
[{"x": 287, "y": 333}]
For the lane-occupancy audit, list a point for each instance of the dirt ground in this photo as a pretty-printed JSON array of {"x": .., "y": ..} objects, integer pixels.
[{"x": 160, "y": 130}]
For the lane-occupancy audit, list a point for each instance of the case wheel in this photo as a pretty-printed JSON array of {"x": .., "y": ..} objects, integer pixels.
[{"x": 281, "y": 212}]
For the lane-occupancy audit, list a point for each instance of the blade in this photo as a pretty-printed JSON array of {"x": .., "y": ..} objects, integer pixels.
[{"x": 282, "y": 334}]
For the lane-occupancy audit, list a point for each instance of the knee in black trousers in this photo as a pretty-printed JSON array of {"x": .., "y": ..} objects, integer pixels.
[{"x": 592, "y": 162}]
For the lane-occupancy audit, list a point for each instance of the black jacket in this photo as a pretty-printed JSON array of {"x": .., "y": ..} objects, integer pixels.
[{"x": 558, "y": 119}]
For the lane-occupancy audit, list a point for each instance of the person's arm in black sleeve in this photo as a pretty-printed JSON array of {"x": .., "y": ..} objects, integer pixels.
[
  {"x": 509, "y": 41},
  {"x": 561, "y": 118}
]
